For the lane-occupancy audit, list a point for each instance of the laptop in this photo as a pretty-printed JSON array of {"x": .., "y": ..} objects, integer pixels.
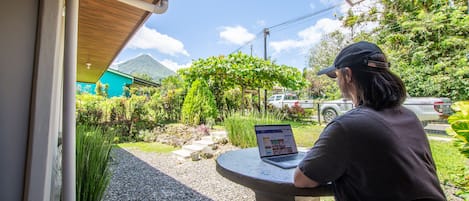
[{"x": 277, "y": 145}]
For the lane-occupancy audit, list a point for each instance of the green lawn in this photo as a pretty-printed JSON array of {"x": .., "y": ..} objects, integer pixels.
[
  {"x": 153, "y": 147},
  {"x": 452, "y": 166},
  {"x": 306, "y": 135}
]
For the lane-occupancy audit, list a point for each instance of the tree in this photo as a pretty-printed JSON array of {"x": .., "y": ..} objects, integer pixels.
[
  {"x": 427, "y": 44},
  {"x": 199, "y": 105},
  {"x": 172, "y": 96},
  {"x": 172, "y": 82},
  {"x": 143, "y": 76},
  {"x": 101, "y": 89},
  {"x": 320, "y": 56},
  {"x": 239, "y": 70}
]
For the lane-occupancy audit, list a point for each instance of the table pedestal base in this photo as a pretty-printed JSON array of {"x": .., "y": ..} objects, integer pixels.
[{"x": 264, "y": 196}]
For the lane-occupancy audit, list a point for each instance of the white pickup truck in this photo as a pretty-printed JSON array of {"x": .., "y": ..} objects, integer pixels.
[
  {"x": 427, "y": 109},
  {"x": 290, "y": 100}
]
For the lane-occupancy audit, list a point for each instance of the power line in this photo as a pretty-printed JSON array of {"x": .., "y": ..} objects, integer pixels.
[
  {"x": 288, "y": 22},
  {"x": 246, "y": 43},
  {"x": 304, "y": 16}
]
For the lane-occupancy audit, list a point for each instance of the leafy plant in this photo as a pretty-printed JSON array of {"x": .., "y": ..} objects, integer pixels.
[
  {"x": 460, "y": 129},
  {"x": 294, "y": 113},
  {"x": 92, "y": 154},
  {"x": 199, "y": 105},
  {"x": 88, "y": 109},
  {"x": 460, "y": 125},
  {"x": 101, "y": 89}
]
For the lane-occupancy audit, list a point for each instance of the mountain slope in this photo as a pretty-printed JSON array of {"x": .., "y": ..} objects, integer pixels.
[{"x": 145, "y": 64}]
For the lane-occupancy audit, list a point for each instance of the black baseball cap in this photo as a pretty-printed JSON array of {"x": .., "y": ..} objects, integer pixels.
[{"x": 356, "y": 55}]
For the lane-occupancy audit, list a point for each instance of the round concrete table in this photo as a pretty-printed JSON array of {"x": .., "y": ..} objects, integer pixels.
[{"x": 268, "y": 182}]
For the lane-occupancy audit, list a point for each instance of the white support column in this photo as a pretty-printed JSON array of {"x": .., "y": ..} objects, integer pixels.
[{"x": 70, "y": 69}]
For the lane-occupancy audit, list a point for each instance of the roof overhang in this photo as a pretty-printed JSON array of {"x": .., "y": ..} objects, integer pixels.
[{"x": 104, "y": 28}]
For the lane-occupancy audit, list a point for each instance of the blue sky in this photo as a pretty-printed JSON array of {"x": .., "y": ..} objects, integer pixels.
[{"x": 191, "y": 29}]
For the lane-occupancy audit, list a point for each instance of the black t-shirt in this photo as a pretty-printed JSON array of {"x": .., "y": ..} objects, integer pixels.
[{"x": 376, "y": 156}]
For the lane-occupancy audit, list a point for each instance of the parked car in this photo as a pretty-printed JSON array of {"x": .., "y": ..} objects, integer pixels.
[
  {"x": 427, "y": 109},
  {"x": 282, "y": 100}
]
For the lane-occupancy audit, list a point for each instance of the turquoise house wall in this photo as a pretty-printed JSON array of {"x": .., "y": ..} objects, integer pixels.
[
  {"x": 85, "y": 87},
  {"x": 116, "y": 81}
]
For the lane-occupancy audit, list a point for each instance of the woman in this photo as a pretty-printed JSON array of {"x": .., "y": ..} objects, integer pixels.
[{"x": 377, "y": 151}]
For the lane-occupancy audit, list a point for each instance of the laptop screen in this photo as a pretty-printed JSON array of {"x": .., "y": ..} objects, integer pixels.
[{"x": 274, "y": 140}]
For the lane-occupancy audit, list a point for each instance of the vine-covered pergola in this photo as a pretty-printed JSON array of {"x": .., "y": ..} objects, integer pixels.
[{"x": 239, "y": 70}]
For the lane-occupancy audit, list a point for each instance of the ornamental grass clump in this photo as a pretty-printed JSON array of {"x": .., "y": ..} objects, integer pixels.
[
  {"x": 93, "y": 149},
  {"x": 240, "y": 128}
]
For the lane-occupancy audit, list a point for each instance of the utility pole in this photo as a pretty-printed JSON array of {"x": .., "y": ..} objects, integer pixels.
[
  {"x": 266, "y": 33},
  {"x": 258, "y": 93}
]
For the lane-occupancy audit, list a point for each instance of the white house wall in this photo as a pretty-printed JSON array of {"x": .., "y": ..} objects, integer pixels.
[
  {"x": 31, "y": 47},
  {"x": 18, "y": 20},
  {"x": 45, "y": 105}
]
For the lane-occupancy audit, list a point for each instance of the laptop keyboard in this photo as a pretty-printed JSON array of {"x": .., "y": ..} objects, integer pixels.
[{"x": 284, "y": 158}]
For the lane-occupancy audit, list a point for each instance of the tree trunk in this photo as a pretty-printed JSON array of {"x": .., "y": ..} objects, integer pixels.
[{"x": 242, "y": 100}]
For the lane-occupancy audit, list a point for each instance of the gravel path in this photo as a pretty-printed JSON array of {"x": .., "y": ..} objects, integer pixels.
[{"x": 149, "y": 176}]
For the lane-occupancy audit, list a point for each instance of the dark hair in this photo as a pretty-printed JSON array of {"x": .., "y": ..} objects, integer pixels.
[{"x": 378, "y": 88}]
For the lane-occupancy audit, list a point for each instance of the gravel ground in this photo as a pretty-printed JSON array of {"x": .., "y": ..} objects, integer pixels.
[
  {"x": 138, "y": 175},
  {"x": 148, "y": 176}
]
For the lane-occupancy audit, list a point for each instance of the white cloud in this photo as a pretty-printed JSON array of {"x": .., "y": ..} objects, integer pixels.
[
  {"x": 237, "y": 35},
  {"x": 284, "y": 45},
  {"x": 308, "y": 36},
  {"x": 313, "y": 34},
  {"x": 147, "y": 38},
  {"x": 173, "y": 65}
]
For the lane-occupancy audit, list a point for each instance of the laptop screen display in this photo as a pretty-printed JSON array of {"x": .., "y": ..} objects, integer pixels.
[{"x": 275, "y": 140}]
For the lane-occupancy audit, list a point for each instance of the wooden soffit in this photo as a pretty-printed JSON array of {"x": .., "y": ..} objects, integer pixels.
[{"x": 104, "y": 28}]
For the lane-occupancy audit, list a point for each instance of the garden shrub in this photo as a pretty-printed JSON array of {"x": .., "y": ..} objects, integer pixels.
[
  {"x": 199, "y": 105},
  {"x": 294, "y": 113},
  {"x": 124, "y": 117},
  {"x": 172, "y": 103},
  {"x": 88, "y": 110},
  {"x": 113, "y": 109},
  {"x": 92, "y": 163},
  {"x": 166, "y": 106},
  {"x": 229, "y": 103}
]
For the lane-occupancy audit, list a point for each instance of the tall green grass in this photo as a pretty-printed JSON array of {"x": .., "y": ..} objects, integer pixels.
[
  {"x": 240, "y": 127},
  {"x": 93, "y": 153}
]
